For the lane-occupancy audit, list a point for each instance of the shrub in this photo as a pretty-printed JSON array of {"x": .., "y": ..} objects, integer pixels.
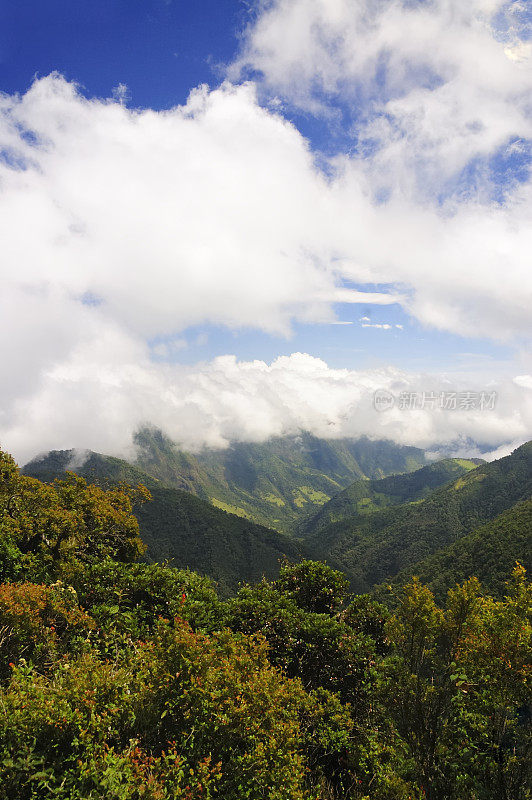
[{"x": 38, "y": 623}]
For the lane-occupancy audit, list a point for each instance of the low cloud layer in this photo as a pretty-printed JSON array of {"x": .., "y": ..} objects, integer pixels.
[{"x": 108, "y": 388}]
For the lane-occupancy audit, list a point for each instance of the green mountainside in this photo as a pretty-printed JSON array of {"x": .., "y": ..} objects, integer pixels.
[
  {"x": 210, "y": 511},
  {"x": 273, "y": 483},
  {"x": 372, "y": 548},
  {"x": 366, "y": 496},
  {"x": 489, "y": 552},
  {"x": 441, "y": 521},
  {"x": 184, "y": 529}
]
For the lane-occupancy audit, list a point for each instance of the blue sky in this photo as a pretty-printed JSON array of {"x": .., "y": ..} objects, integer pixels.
[
  {"x": 159, "y": 49},
  {"x": 335, "y": 158}
]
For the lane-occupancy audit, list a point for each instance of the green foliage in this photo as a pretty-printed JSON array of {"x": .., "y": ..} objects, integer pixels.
[
  {"x": 130, "y": 598},
  {"x": 367, "y": 617},
  {"x": 219, "y": 696},
  {"x": 489, "y": 552},
  {"x": 314, "y": 586},
  {"x": 319, "y": 649},
  {"x": 44, "y": 527},
  {"x": 457, "y": 686},
  {"x": 39, "y": 623},
  {"x": 366, "y": 496},
  {"x": 207, "y": 716},
  {"x": 135, "y": 681},
  {"x": 373, "y": 548},
  {"x": 327, "y": 733}
]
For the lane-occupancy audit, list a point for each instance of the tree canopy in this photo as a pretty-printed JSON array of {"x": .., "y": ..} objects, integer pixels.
[{"x": 122, "y": 680}]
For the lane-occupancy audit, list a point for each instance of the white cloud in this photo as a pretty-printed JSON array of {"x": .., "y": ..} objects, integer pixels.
[
  {"x": 429, "y": 90},
  {"x": 385, "y": 326},
  {"x": 168, "y": 350},
  {"x": 430, "y": 84},
  {"x": 108, "y": 387},
  {"x": 524, "y": 380},
  {"x": 207, "y": 212},
  {"x": 119, "y": 227}
]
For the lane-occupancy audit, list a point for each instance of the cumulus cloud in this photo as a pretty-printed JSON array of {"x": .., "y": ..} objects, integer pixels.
[
  {"x": 216, "y": 212},
  {"x": 433, "y": 100},
  {"x": 120, "y": 228},
  {"x": 428, "y": 85},
  {"x": 207, "y": 212}
]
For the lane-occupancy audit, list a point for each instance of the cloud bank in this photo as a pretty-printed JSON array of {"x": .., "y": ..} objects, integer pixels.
[{"x": 109, "y": 388}]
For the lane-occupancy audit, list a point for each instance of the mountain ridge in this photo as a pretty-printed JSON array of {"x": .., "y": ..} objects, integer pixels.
[
  {"x": 367, "y": 496},
  {"x": 271, "y": 482},
  {"x": 182, "y": 528},
  {"x": 375, "y": 547}
]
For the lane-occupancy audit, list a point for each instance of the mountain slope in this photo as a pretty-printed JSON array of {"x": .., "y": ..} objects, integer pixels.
[
  {"x": 372, "y": 548},
  {"x": 274, "y": 482},
  {"x": 366, "y": 496},
  {"x": 183, "y": 528},
  {"x": 488, "y": 552}
]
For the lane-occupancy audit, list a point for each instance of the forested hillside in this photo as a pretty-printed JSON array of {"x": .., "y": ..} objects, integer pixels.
[
  {"x": 122, "y": 680},
  {"x": 277, "y": 481},
  {"x": 371, "y": 548},
  {"x": 274, "y": 483},
  {"x": 378, "y": 536},
  {"x": 489, "y": 552},
  {"x": 182, "y": 528},
  {"x": 365, "y": 496}
]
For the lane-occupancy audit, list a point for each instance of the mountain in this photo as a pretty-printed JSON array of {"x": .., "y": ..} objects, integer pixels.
[
  {"x": 489, "y": 552},
  {"x": 372, "y": 548},
  {"x": 275, "y": 482},
  {"x": 477, "y": 523},
  {"x": 182, "y": 528},
  {"x": 366, "y": 496}
]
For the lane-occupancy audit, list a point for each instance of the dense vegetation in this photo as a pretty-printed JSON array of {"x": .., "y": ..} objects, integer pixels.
[
  {"x": 372, "y": 548},
  {"x": 489, "y": 552},
  {"x": 275, "y": 482},
  {"x": 184, "y": 529},
  {"x": 122, "y": 680},
  {"x": 366, "y": 496},
  {"x": 374, "y": 531}
]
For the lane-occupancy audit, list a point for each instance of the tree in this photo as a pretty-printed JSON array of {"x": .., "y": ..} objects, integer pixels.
[
  {"x": 457, "y": 688},
  {"x": 44, "y": 527},
  {"x": 313, "y": 586}
]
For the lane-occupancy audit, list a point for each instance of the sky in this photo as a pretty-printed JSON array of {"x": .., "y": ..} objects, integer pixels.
[{"x": 238, "y": 219}]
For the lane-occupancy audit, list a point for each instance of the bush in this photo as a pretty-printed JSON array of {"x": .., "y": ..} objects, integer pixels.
[
  {"x": 38, "y": 623},
  {"x": 198, "y": 716}
]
